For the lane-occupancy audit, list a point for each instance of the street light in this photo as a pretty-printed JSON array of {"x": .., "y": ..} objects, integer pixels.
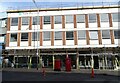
[{"x": 37, "y": 30}]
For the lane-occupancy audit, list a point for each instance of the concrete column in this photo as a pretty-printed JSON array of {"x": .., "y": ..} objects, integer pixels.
[
  {"x": 77, "y": 61},
  {"x": 103, "y": 63},
  {"x": 53, "y": 61},
  {"x": 106, "y": 62}
]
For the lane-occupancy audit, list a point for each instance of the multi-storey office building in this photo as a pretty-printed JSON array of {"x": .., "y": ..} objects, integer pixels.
[{"x": 84, "y": 33}]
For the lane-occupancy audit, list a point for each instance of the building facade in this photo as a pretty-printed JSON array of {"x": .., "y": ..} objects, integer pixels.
[
  {"x": 83, "y": 33},
  {"x": 2, "y": 38}
]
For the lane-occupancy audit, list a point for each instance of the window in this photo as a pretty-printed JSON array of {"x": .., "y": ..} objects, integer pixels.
[
  {"x": 46, "y": 19},
  {"x": 92, "y": 18},
  {"x": 81, "y": 34},
  {"x": 58, "y": 35},
  {"x": 58, "y": 19},
  {"x": 13, "y": 37},
  {"x": 69, "y": 35},
  {"x": 14, "y": 22},
  {"x": 36, "y": 20},
  {"x": 116, "y": 17},
  {"x": 105, "y": 34},
  {"x": 46, "y": 35},
  {"x": 80, "y": 18},
  {"x": 25, "y": 20},
  {"x": 34, "y": 36},
  {"x": 117, "y": 34},
  {"x": 24, "y": 36},
  {"x": 69, "y": 19},
  {"x": 104, "y": 17},
  {"x": 93, "y": 35}
]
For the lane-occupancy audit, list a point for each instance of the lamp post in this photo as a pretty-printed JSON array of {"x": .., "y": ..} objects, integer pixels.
[{"x": 37, "y": 54}]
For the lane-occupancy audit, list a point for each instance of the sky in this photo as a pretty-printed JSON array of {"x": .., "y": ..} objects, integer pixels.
[{"x": 28, "y": 4}]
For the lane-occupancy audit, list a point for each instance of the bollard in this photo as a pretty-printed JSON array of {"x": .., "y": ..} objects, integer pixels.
[{"x": 92, "y": 73}]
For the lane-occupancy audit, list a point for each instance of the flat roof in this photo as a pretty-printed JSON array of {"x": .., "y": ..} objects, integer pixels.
[{"x": 64, "y": 8}]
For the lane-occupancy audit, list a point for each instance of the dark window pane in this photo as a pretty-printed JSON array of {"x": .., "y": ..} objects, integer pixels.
[
  {"x": 24, "y": 36},
  {"x": 46, "y": 19},
  {"x": 69, "y": 35},
  {"x": 13, "y": 37}
]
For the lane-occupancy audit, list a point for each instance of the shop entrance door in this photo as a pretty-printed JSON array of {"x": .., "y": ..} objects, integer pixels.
[{"x": 96, "y": 62}]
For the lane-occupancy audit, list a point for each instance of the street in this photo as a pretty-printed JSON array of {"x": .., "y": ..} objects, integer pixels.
[{"x": 12, "y": 76}]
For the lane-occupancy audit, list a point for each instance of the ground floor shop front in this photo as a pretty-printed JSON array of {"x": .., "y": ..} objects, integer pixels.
[{"x": 80, "y": 58}]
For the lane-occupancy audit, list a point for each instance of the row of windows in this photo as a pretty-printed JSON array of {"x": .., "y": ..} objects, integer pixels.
[
  {"x": 69, "y": 35},
  {"x": 69, "y": 19}
]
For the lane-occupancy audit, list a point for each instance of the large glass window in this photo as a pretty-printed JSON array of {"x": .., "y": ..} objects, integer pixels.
[
  {"x": 58, "y": 35},
  {"x": 24, "y": 36},
  {"x": 81, "y": 34},
  {"x": 14, "y": 22},
  {"x": 46, "y": 19},
  {"x": 36, "y": 20},
  {"x": 46, "y": 35},
  {"x": 93, "y": 35},
  {"x": 116, "y": 17},
  {"x": 92, "y": 18},
  {"x": 13, "y": 37},
  {"x": 69, "y": 19},
  {"x": 117, "y": 34},
  {"x": 104, "y": 17},
  {"x": 80, "y": 18},
  {"x": 35, "y": 35},
  {"x": 25, "y": 20},
  {"x": 105, "y": 34},
  {"x": 69, "y": 35},
  {"x": 58, "y": 19}
]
